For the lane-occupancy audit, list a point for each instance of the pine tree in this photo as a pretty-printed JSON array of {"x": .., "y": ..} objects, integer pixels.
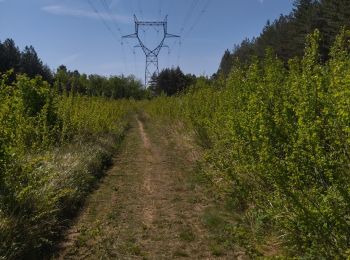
[
  {"x": 226, "y": 63},
  {"x": 334, "y": 14},
  {"x": 10, "y": 56},
  {"x": 30, "y": 63}
]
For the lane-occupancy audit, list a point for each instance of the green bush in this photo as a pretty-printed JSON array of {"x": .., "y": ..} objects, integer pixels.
[
  {"x": 53, "y": 149},
  {"x": 277, "y": 142}
]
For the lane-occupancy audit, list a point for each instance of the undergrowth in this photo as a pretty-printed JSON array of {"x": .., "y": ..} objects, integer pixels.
[
  {"x": 276, "y": 142},
  {"x": 53, "y": 149}
]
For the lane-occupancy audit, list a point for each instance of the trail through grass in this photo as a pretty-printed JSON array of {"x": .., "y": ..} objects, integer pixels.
[{"x": 147, "y": 207}]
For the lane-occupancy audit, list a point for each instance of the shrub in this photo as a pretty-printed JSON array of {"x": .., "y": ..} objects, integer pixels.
[{"x": 277, "y": 142}]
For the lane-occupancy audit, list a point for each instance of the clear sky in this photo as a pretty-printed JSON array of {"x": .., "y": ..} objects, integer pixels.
[{"x": 70, "y": 32}]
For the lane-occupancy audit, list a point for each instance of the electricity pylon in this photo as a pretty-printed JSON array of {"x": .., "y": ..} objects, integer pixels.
[{"x": 151, "y": 54}]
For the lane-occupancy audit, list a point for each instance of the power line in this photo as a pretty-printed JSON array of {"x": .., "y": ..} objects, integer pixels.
[
  {"x": 124, "y": 59},
  {"x": 104, "y": 22},
  {"x": 135, "y": 66},
  {"x": 168, "y": 59},
  {"x": 119, "y": 39},
  {"x": 109, "y": 12},
  {"x": 140, "y": 8},
  {"x": 179, "y": 53},
  {"x": 203, "y": 11},
  {"x": 188, "y": 15},
  {"x": 160, "y": 2}
]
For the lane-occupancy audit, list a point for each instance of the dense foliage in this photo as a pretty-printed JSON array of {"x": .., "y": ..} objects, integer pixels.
[
  {"x": 115, "y": 87},
  {"x": 170, "y": 82},
  {"x": 286, "y": 35},
  {"x": 277, "y": 143},
  {"x": 52, "y": 149},
  {"x": 26, "y": 61},
  {"x": 275, "y": 128}
]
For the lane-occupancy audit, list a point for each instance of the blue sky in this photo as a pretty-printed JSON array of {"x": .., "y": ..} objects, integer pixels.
[{"x": 70, "y": 32}]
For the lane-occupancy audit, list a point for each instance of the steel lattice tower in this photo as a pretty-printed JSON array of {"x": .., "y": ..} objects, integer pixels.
[{"x": 151, "y": 54}]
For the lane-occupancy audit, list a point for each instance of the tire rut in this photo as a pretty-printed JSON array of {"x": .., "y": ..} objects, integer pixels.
[{"x": 143, "y": 208}]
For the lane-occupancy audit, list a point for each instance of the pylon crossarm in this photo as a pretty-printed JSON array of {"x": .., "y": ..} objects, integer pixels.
[
  {"x": 168, "y": 35},
  {"x": 134, "y": 35},
  {"x": 151, "y": 23},
  {"x": 151, "y": 55}
]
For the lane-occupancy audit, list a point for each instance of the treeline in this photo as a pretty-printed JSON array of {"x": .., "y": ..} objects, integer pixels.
[
  {"x": 276, "y": 142},
  {"x": 286, "y": 35},
  {"x": 171, "y": 81},
  {"x": 25, "y": 62},
  {"x": 115, "y": 87},
  {"x": 28, "y": 62}
]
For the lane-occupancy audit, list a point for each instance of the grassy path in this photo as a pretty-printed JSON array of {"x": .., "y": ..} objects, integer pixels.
[{"x": 146, "y": 207}]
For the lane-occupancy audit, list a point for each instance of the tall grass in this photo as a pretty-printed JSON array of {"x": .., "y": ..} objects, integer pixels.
[
  {"x": 52, "y": 150},
  {"x": 277, "y": 143}
]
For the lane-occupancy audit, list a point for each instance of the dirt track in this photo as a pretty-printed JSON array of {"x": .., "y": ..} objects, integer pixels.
[{"x": 146, "y": 207}]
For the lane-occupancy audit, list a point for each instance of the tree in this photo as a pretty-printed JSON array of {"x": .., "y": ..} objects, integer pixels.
[
  {"x": 10, "y": 56},
  {"x": 226, "y": 63},
  {"x": 25, "y": 62},
  {"x": 171, "y": 81},
  {"x": 333, "y": 14},
  {"x": 61, "y": 79},
  {"x": 305, "y": 21},
  {"x": 30, "y": 63},
  {"x": 286, "y": 35}
]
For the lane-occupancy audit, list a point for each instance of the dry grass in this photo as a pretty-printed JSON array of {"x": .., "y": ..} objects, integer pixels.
[{"x": 63, "y": 178}]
